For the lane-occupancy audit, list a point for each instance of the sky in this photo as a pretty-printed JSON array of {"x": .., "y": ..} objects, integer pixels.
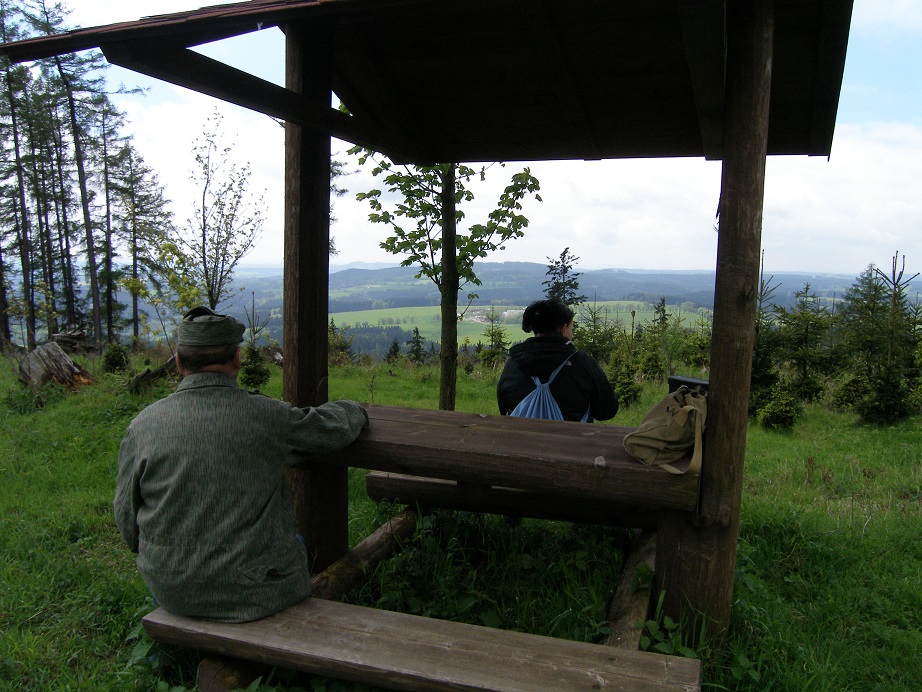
[{"x": 835, "y": 215}]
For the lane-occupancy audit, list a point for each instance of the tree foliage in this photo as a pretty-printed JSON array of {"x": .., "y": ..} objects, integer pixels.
[{"x": 424, "y": 221}]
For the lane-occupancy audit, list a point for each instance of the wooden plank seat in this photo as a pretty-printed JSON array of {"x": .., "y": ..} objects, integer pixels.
[
  {"x": 408, "y": 652},
  {"x": 567, "y": 460}
]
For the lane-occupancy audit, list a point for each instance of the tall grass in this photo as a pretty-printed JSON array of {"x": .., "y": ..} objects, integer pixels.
[{"x": 829, "y": 575}]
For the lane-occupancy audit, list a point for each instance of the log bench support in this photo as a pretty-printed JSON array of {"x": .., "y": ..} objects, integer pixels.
[
  {"x": 436, "y": 493},
  {"x": 408, "y": 652}
]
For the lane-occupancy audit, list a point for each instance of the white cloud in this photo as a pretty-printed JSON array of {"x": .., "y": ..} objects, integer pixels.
[
  {"x": 887, "y": 15},
  {"x": 856, "y": 209}
]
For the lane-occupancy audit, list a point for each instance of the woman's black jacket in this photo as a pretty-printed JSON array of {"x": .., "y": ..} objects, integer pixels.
[{"x": 580, "y": 385}]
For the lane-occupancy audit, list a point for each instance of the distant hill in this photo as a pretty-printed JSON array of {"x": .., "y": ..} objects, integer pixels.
[
  {"x": 512, "y": 284},
  {"x": 519, "y": 283}
]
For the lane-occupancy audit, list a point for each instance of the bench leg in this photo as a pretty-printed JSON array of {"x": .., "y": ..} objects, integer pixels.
[{"x": 631, "y": 602}]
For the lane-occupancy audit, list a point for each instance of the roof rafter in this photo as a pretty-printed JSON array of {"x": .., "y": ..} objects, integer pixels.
[{"x": 183, "y": 67}]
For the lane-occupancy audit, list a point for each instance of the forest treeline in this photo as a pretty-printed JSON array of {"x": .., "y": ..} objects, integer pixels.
[
  {"x": 86, "y": 234},
  {"x": 81, "y": 211}
]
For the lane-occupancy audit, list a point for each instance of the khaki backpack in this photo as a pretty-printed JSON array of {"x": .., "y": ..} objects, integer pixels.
[{"x": 669, "y": 429}]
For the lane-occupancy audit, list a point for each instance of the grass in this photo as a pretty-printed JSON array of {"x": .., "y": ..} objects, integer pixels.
[{"x": 829, "y": 572}]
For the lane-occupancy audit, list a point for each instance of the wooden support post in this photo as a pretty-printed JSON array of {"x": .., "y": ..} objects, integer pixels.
[
  {"x": 320, "y": 495},
  {"x": 696, "y": 554}
]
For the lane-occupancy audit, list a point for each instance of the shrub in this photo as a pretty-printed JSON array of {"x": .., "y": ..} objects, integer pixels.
[
  {"x": 781, "y": 410},
  {"x": 888, "y": 398},
  {"x": 624, "y": 380},
  {"x": 846, "y": 391},
  {"x": 115, "y": 359},
  {"x": 651, "y": 363},
  {"x": 254, "y": 371}
]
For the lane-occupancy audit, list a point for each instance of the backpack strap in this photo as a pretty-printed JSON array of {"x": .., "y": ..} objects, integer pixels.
[{"x": 556, "y": 371}]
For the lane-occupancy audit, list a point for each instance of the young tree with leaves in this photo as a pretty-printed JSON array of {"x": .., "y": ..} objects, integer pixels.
[
  {"x": 497, "y": 347},
  {"x": 226, "y": 221},
  {"x": 430, "y": 208}
]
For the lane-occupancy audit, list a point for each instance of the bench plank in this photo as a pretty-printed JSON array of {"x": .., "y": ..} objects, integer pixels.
[
  {"x": 442, "y": 494},
  {"x": 568, "y": 460},
  {"x": 407, "y": 652}
]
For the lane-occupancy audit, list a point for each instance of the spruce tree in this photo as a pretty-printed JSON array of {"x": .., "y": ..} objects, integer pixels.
[{"x": 563, "y": 283}]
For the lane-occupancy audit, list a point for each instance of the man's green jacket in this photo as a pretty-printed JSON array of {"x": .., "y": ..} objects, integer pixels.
[{"x": 201, "y": 496}]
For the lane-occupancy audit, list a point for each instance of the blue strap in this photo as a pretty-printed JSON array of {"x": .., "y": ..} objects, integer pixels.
[
  {"x": 551, "y": 379},
  {"x": 554, "y": 374}
]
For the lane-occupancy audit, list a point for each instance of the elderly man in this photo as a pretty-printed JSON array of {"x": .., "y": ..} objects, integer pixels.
[{"x": 201, "y": 493}]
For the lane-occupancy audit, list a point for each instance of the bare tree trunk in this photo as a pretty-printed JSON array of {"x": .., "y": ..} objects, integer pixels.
[
  {"x": 22, "y": 228},
  {"x": 448, "y": 357},
  {"x": 76, "y": 131},
  {"x": 67, "y": 269}
]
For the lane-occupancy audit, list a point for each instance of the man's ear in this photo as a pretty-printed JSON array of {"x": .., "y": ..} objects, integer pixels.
[
  {"x": 237, "y": 358},
  {"x": 178, "y": 363}
]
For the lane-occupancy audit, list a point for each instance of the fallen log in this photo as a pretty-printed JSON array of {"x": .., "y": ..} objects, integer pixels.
[
  {"x": 138, "y": 382},
  {"x": 630, "y": 605},
  {"x": 353, "y": 568}
]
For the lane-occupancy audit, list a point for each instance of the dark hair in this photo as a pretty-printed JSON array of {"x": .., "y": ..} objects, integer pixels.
[
  {"x": 194, "y": 358},
  {"x": 546, "y": 316}
]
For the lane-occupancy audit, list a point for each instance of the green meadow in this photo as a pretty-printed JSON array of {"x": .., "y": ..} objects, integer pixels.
[
  {"x": 828, "y": 592},
  {"x": 476, "y": 318}
]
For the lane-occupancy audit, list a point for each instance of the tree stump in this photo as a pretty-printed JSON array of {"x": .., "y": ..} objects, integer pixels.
[{"x": 49, "y": 363}]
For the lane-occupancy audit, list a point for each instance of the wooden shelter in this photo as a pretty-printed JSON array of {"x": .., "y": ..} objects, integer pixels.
[{"x": 482, "y": 80}]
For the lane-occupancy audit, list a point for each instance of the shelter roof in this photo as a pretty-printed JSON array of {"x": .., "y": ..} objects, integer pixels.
[{"x": 482, "y": 80}]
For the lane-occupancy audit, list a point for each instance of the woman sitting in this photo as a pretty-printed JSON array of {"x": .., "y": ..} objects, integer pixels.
[{"x": 581, "y": 389}]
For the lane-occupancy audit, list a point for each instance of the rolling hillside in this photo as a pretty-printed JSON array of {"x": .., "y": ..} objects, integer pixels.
[{"x": 505, "y": 285}]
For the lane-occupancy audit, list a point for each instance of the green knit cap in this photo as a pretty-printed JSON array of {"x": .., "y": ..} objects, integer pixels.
[{"x": 202, "y": 326}]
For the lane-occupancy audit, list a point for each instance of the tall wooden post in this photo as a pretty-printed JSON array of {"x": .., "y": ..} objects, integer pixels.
[
  {"x": 696, "y": 554},
  {"x": 321, "y": 493}
]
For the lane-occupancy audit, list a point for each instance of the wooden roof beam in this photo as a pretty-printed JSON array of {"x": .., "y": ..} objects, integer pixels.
[
  {"x": 354, "y": 60},
  {"x": 183, "y": 67},
  {"x": 704, "y": 34}
]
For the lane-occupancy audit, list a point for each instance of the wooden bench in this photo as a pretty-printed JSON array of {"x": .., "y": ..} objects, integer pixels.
[
  {"x": 570, "y": 461},
  {"x": 408, "y": 652},
  {"x": 519, "y": 461}
]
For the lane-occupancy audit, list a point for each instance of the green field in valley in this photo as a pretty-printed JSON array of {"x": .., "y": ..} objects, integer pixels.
[{"x": 475, "y": 319}]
